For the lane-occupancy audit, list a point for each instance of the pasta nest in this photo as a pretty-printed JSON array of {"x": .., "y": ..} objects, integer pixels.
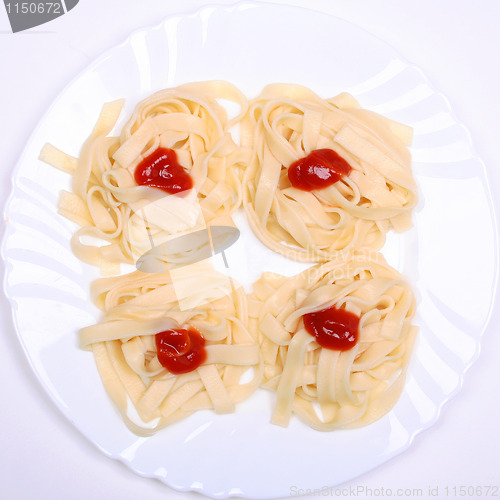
[
  {"x": 331, "y": 389},
  {"x": 126, "y": 218},
  {"x": 137, "y": 306},
  {"x": 287, "y": 122}
]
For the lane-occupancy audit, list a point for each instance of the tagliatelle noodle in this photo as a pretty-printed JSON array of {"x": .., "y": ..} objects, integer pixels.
[
  {"x": 331, "y": 389},
  {"x": 287, "y": 122},
  {"x": 339, "y": 225},
  {"x": 120, "y": 220},
  {"x": 138, "y": 305}
]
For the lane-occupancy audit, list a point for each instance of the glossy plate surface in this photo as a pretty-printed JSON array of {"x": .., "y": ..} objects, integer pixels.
[{"x": 449, "y": 257}]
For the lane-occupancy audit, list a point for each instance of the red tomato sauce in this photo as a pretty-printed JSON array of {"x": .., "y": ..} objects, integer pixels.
[
  {"x": 319, "y": 169},
  {"x": 333, "y": 328},
  {"x": 162, "y": 170},
  {"x": 181, "y": 350}
]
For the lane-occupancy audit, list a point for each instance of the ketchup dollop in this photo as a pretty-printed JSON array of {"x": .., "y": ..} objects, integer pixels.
[
  {"x": 180, "y": 350},
  {"x": 162, "y": 170},
  {"x": 333, "y": 328},
  {"x": 318, "y": 170}
]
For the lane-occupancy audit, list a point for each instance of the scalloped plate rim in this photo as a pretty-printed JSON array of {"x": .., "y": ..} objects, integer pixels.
[{"x": 10, "y": 230}]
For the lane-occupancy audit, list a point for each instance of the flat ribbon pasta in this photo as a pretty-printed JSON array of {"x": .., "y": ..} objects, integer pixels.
[
  {"x": 331, "y": 389},
  {"x": 120, "y": 220},
  {"x": 138, "y": 305},
  {"x": 287, "y": 122},
  {"x": 258, "y": 339}
]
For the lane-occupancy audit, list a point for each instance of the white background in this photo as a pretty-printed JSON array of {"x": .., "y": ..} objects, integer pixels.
[{"x": 455, "y": 42}]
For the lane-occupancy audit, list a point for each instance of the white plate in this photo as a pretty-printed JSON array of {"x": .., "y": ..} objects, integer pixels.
[{"x": 449, "y": 257}]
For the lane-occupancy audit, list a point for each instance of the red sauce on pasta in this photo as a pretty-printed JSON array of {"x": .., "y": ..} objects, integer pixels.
[
  {"x": 333, "y": 328},
  {"x": 181, "y": 350},
  {"x": 319, "y": 169},
  {"x": 162, "y": 170}
]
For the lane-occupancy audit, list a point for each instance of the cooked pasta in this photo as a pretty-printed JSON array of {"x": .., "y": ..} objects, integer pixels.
[
  {"x": 121, "y": 220},
  {"x": 136, "y": 308},
  {"x": 331, "y": 389},
  {"x": 184, "y": 337},
  {"x": 288, "y": 122}
]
